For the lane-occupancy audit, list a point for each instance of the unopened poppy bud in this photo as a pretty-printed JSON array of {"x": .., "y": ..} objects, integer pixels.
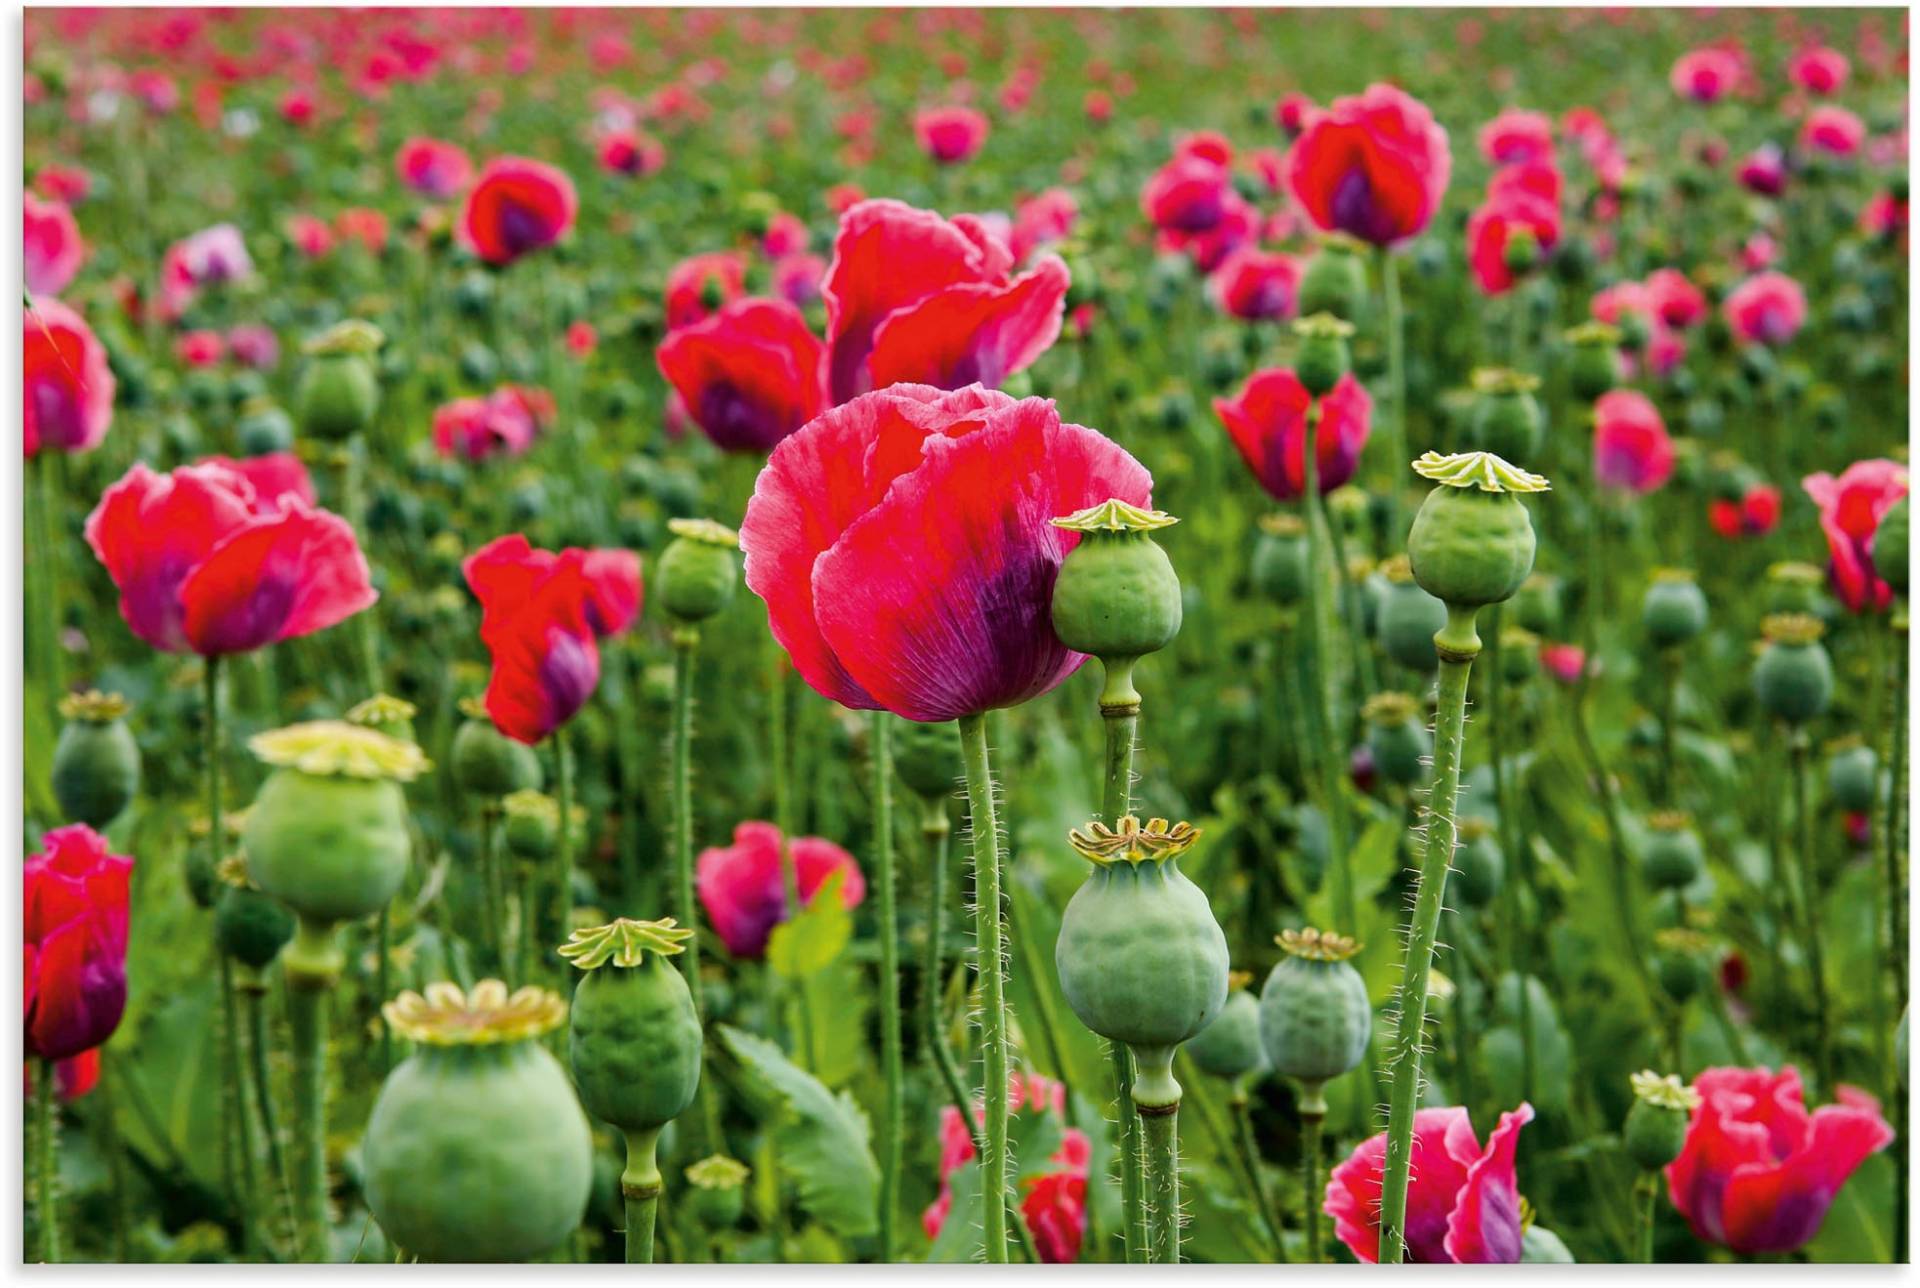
[
  {"x": 1522, "y": 251},
  {"x": 1853, "y": 774},
  {"x": 249, "y": 925},
  {"x": 1674, "y": 610},
  {"x": 1794, "y": 677},
  {"x": 1117, "y": 596},
  {"x": 698, "y": 573},
  {"x": 1656, "y": 1126},
  {"x": 1279, "y": 568},
  {"x": 1794, "y": 587},
  {"x": 635, "y": 1041},
  {"x": 717, "y": 1190},
  {"x": 1335, "y": 280},
  {"x": 1680, "y": 961},
  {"x": 1672, "y": 857},
  {"x": 1480, "y": 865},
  {"x": 1537, "y": 604},
  {"x": 531, "y": 824},
  {"x": 1506, "y": 418},
  {"x": 96, "y": 764},
  {"x": 263, "y": 428},
  {"x": 1472, "y": 541},
  {"x": 339, "y": 392},
  {"x": 927, "y": 757},
  {"x": 1889, "y": 548},
  {"x": 1409, "y": 616},
  {"x": 1593, "y": 362},
  {"x": 1519, "y": 654},
  {"x": 1315, "y": 1019},
  {"x": 486, "y": 763},
  {"x": 1323, "y": 356},
  {"x": 1397, "y": 737},
  {"x": 1230, "y": 1046}
]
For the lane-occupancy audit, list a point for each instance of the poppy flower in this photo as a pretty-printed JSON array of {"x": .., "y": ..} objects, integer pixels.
[
  {"x": 1515, "y": 137},
  {"x": 785, "y": 235},
  {"x": 505, "y": 422},
  {"x": 66, "y": 184},
  {"x": 743, "y": 886},
  {"x": 310, "y": 235},
  {"x": 1098, "y": 106},
  {"x": 797, "y": 278},
  {"x": 950, "y": 135},
  {"x": 1374, "y": 166},
  {"x": 368, "y": 227},
  {"x": 903, "y": 545},
  {"x": 1675, "y": 300},
  {"x": 254, "y": 345},
  {"x": 1208, "y": 250},
  {"x": 749, "y": 375},
  {"x": 298, "y": 106},
  {"x": 205, "y": 563},
  {"x": 915, "y": 298},
  {"x": 74, "y": 922},
  {"x": 433, "y": 167},
  {"x": 1754, "y": 513},
  {"x": 54, "y": 250},
  {"x": 214, "y": 256},
  {"x": 274, "y": 476},
  {"x": 1704, "y": 75},
  {"x": 1042, "y": 220},
  {"x": 1267, "y": 420},
  {"x": 1764, "y": 170},
  {"x": 631, "y": 153},
  {"x": 1564, "y": 662},
  {"x": 1291, "y": 113},
  {"x": 542, "y": 615},
  {"x": 516, "y": 206},
  {"x": 74, "y": 1077},
  {"x": 1818, "y": 70},
  {"x": 1758, "y": 1172},
  {"x": 1851, "y": 508},
  {"x": 1257, "y": 285},
  {"x": 1190, "y": 193},
  {"x": 1832, "y": 130},
  {"x": 1631, "y": 449},
  {"x": 67, "y": 384},
  {"x": 582, "y": 338},
  {"x": 1054, "y": 1205},
  {"x": 1463, "y": 1203},
  {"x": 200, "y": 348},
  {"x": 700, "y": 286},
  {"x": 1491, "y": 231},
  {"x": 1768, "y": 308},
  {"x": 1884, "y": 216}
]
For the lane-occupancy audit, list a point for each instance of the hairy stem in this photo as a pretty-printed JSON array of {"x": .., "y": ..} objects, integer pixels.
[
  {"x": 307, "y": 1022},
  {"x": 1810, "y": 914},
  {"x": 1159, "y": 1127},
  {"x": 686, "y": 642},
  {"x": 990, "y": 950},
  {"x": 1122, "y": 725},
  {"x": 1313, "y": 1114},
  {"x": 45, "y": 1177},
  {"x": 889, "y": 977},
  {"x": 640, "y": 1186}
]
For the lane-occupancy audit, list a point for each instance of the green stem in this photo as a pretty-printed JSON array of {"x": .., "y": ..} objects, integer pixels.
[
  {"x": 116, "y": 1166},
  {"x": 1396, "y": 424},
  {"x": 45, "y": 1178},
  {"x": 1511, "y": 913},
  {"x": 307, "y": 1023},
  {"x": 212, "y": 735},
  {"x": 990, "y": 953},
  {"x": 1331, "y": 738},
  {"x": 1313, "y": 1114},
  {"x": 254, "y": 1003},
  {"x": 686, "y": 643},
  {"x": 934, "y": 830},
  {"x": 1809, "y": 911},
  {"x": 1122, "y": 723},
  {"x": 640, "y": 1186},
  {"x": 1647, "y": 1190},
  {"x": 353, "y": 498},
  {"x": 1458, "y": 645},
  {"x": 1159, "y": 1126},
  {"x": 44, "y": 571},
  {"x": 492, "y": 894},
  {"x": 560, "y": 919},
  {"x": 233, "y": 1102},
  {"x": 383, "y": 978},
  {"x": 1894, "y": 852},
  {"x": 1250, "y": 1163},
  {"x": 889, "y": 977},
  {"x": 1669, "y": 684}
]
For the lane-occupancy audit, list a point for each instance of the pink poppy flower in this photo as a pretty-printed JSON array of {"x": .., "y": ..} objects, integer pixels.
[
  {"x": 1766, "y": 309},
  {"x": 1208, "y": 250},
  {"x": 433, "y": 167},
  {"x": 785, "y": 235},
  {"x": 1631, "y": 449},
  {"x": 582, "y": 339},
  {"x": 950, "y": 135},
  {"x": 1764, "y": 170},
  {"x": 1256, "y": 285},
  {"x": 298, "y": 106},
  {"x": 515, "y": 207},
  {"x": 1491, "y": 231},
  {"x": 1042, "y": 220},
  {"x": 1754, "y": 513},
  {"x": 1851, "y": 508},
  {"x": 743, "y": 888},
  {"x": 1190, "y": 193},
  {"x": 1704, "y": 75},
  {"x": 1676, "y": 301},
  {"x": 1463, "y": 1203},
  {"x": 74, "y": 920},
  {"x": 1884, "y": 216},
  {"x": 360, "y": 224},
  {"x": 749, "y": 375},
  {"x": 797, "y": 278},
  {"x": 275, "y": 476},
  {"x": 1514, "y": 137},
  {"x": 1564, "y": 662},
  {"x": 1267, "y": 421},
  {"x": 54, "y": 251},
  {"x": 254, "y": 345},
  {"x": 701, "y": 285},
  {"x": 1832, "y": 130},
  {"x": 311, "y": 236},
  {"x": 631, "y": 153},
  {"x": 1374, "y": 166},
  {"x": 200, "y": 348},
  {"x": 1054, "y": 1205},
  {"x": 66, "y": 382},
  {"x": 66, "y": 184},
  {"x": 1291, "y": 113},
  {"x": 1818, "y": 69},
  {"x": 1614, "y": 304}
]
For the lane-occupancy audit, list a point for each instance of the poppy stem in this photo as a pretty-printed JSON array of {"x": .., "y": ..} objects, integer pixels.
[
  {"x": 990, "y": 954},
  {"x": 1122, "y": 724},
  {"x": 934, "y": 830},
  {"x": 212, "y": 733},
  {"x": 307, "y": 1024},
  {"x": 1396, "y": 426},
  {"x": 1458, "y": 645},
  {"x": 1313, "y": 1113},
  {"x": 640, "y": 1187},
  {"x": 45, "y": 1178},
  {"x": 1518, "y": 871},
  {"x": 1250, "y": 1161},
  {"x": 1330, "y": 740},
  {"x": 1160, "y": 1128},
  {"x": 1810, "y": 915},
  {"x": 353, "y": 468},
  {"x": 1647, "y": 1190},
  {"x": 253, "y": 998},
  {"x": 561, "y": 919},
  {"x": 491, "y": 895},
  {"x": 45, "y": 576},
  {"x": 1894, "y": 849},
  {"x": 686, "y": 644},
  {"x": 889, "y": 977},
  {"x": 233, "y": 1103}
]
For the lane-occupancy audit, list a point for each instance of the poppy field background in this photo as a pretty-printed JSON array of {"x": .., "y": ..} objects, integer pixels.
[{"x": 1122, "y": 211}]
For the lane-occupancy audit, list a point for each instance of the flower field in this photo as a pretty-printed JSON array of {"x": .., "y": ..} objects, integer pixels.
[{"x": 965, "y": 636}]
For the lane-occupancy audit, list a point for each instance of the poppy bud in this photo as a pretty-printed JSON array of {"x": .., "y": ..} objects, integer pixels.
[
  {"x": 1472, "y": 541},
  {"x": 1680, "y": 961},
  {"x": 1672, "y": 858},
  {"x": 1519, "y": 654},
  {"x": 1315, "y": 1020},
  {"x": 717, "y": 1191},
  {"x": 1522, "y": 250},
  {"x": 1795, "y": 588},
  {"x": 1506, "y": 418},
  {"x": 1853, "y": 775},
  {"x": 1323, "y": 356},
  {"x": 1889, "y": 550},
  {"x": 1117, "y": 596},
  {"x": 249, "y": 925},
  {"x": 1674, "y": 610},
  {"x": 1656, "y": 1126},
  {"x": 339, "y": 392},
  {"x": 927, "y": 757},
  {"x": 487, "y": 763},
  {"x": 1279, "y": 566},
  {"x": 532, "y": 824},
  {"x": 1537, "y": 606},
  {"x": 697, "y": 574},
  {"x": 1409, "y": 616},
  {"x": 1593, "y": 363},
  {"x": 1479, "y": 865},
  {"x": 635, "y": 1040},
  {"x": 1794, "y": 677},
  {"x": 1335, "y": 280},
  {"x": 1397, "y": 737},
  {"x": 1230, "y": 1046},
  {"x": 263, "y": 428},
  {"x": 96, "y": 765}
]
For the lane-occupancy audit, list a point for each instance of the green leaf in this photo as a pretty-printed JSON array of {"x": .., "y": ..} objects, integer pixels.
[
  {"x": 806, "y": 944},
  {"x": 960, "y": 1238},
  {"x": 822, "y": 1137}
]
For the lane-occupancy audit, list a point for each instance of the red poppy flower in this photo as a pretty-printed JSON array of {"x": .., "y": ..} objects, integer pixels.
[
  {"x": 950, "y": 135},
  {"x": 1676, "y": 301},
  {"x": 1054, "y": 1205},
  {"x": 1515, "y": 137},
  {"x": 903, "y": 544},
  {"x": 1758, "y": 1172},
  {"x": 1703, "y": 75},
  {"x": 204, "y": 563},
  {"x": 1257, "y": 285},
  {"x": 1851, "y": 508},
  {"x": 297, "y": 106},
  {"x": 912, "y": 297},
  {"x": 1208, "y": 250},
  {"x": 200, "y": 348},
  {"x": 67, "y": 384},
  {"x": 702, "y": 285},
  {"x": 516, "y": 206},
  {"x": 73, "y": 1077},
  {"x": 743, "y": 887},
  {"x": 1491, "y": 230},
  {"x": 1832, "y": 130},
  {"x": 433, "y": 168},
  {"x": 54, "y": 250},
  {"x": 797, "y": 278},
  {"x": 1042, "y": 220},
  {"x": 1291, "y": 113},
  {"x": 1268, "y": 423},
  {"x": 66, "y": 184},
  {"x": 542, "y": 616},
  {"x": 1374, "y": 166},
  {"x": 1190, "y": 193},
  {"x": 785, "y": 235},
  {"x": 74, "y": 921},
  {"x": 254, "y": 345},
  {"x": 1764, "y": 170},
  {"x": 1463, "y": 1203},
  {"x": 1884, "y": 216},
  {"x": 1631, "y": 449},
  {"x": 274, "y": 476},
  {"x": 311, "y": 236},
  {"x": 749, "y": 375},
  {"x": 631, "y": 153},
  {"x": 505, "y": 422},
  {"x": 1818, "y": 70},
  {"x": 1754, "y": 513},
  {"x": 1766, "y": 309},
  {"x": 368, "y": 227},
  {"x": 582, "y": 339}
]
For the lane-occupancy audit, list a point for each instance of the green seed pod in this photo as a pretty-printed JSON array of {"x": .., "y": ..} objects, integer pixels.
[
  {"x": 1480, "y": 865},
  {"x": 1117, "y": 596},
  {"x": 1397, "y": 737},
  {"x": 1794, "y": 677},
  {"x": 385, "y": 714},
  {"x": 1853, "y": 774},
  {"x": 697, "y": 573},
  {"x": 1141, "y": 959},
  {"x": 1672, "y": 858},
  {"x": 1795, "y": 588},
  {"x": 1593, "y": 359},
  {"x": 1674, "y": 610},
  {"x": 328, "y": 835},
  {"x": 1230, "y": 1046},
  {"x": 96, "y": 764},
  {"x": 635, "y": 1038},
  {"x": 1519, "y": 655},
  {"x": 1409, "y": 618},
  {"x": 1656, "y": 1126},
  {"x": 249, "y": 925},
  {"x": 927, "y": 757},
  {"x": 487, "y": 763},
  {"x": 263, "y": 428},
  {"x": 339, "y": 391},
  {"x": 532, "y": 826},
  {"x": 1335, "y": 280},
  {"x": 1680, "y": 961},
  {"x": 1889, "y": 549},
  {"x": 1472, "y": 541},
  {"x": 1315, "y": 1019},
  {"x": 1279, "y": 567},
  {"x": 1537, "y": 604},
  {"x": 477, "y": 1150},
  {"x": 1323, "y": 356},
  {"x": 717, "y": 1191},
  {"x": 1506, "y": 418}
]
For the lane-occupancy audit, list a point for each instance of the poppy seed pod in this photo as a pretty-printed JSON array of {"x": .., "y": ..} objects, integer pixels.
[
  {"x": 1889, "y": 552},
  {"x": 1397, "y": 737},
  {"x": 96, "y": 764},
  {"x": 249, "y": 925},
  {"x": 1519, "y": 655},
  {"x": 339, "y": 391},
  {"x": 487, "y": 763},
  {"x": 1794, "y": 677},
  {"x": 1674, "y": 610},
  {"x": 635, "y": 1039},
  {"x": 1593, "y": 359},
  {"x": 1853, "y": 774},
  {"x": 263, "y": 428},
  {"x": 1537, "y": 604},
  {"x": 1117, "y": 596},
  {"x": 1315, "y": 1020},
  {"x": 697, "y": 573},
  {"x": 927, "y": 757},
  {"x": 385, "y": 714},
  {"x": 1506, "y": 418},
  {"x": 1335, "y": 280},
  {"x": 1680, "y": 961},
  {"x": 476, "y": 1149},
  {"x": 1409, "y": 617},
  {"x": 1141, "y": 959},
  {"x": 1230, "y": 1046},
  {"x": 1794, "y": 587},
  {"x": 1656, "y": 1126},
  {"x": 1480, "y": 865},
  {"x": 1672, "y": 857},
  {"x": 1323, "y": 356},
  {"x": 1279, "y": 567},
  {"x": 1472, "y": 541},
  {"x": 532, "y": 824},
  {"x": 717, "y": 1189}
]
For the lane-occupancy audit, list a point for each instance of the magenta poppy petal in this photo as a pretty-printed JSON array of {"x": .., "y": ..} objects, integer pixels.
[
  {"x": 972, "y": 333},
  {"x": 152, "y": 530},
  {"x": 1485, "y": 1224},
  {"x": 289, "y": 575},
  {"x": 887, "y": 255}
]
